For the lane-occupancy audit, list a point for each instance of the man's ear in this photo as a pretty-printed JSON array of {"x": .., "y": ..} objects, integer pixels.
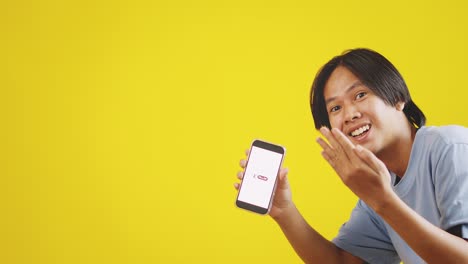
[{"x": 400, "y": 106}]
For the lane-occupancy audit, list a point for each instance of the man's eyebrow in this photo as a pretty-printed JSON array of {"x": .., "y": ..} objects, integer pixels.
[{"x": 354, "y": 85}]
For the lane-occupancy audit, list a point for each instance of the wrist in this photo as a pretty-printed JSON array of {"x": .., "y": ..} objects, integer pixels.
[
  {"x": 385, "y": 203},
  {"x": 286, "y": 213}
]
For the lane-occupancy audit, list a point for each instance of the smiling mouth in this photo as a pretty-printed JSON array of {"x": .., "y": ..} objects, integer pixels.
[{"x": 360, "y": 131}]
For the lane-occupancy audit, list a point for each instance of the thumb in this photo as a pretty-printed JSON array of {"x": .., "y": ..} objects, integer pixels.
[{"x": 283, "y": 179}]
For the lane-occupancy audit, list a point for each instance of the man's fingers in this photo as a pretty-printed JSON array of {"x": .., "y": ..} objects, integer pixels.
[
  {"x": 330, "y": 155},
  {"x": 331, "y": 160},
  {"x": 335, "y": 145},
  {"x": 283, "y": 180},
  {"x": 325, "y": 146},
  {"x": 344, "y": 142},
  {"x": 242, "y": 163},
  {"x": 329, "y": 136},
  {"x": 282, "y": 173},
  {"x": 240, "y": 175},
  {"x": 370, "y": 159},
  {"x": 346, "y": 145}
]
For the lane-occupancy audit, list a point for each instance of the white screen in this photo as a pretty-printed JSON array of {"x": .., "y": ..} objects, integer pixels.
[{"x": 259, "y": 177}]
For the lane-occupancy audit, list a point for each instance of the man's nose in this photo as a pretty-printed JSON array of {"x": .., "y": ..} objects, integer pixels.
[{"x": 351, "y": 113}]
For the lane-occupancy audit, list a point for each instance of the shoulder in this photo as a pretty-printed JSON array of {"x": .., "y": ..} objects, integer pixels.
[
  {"x": 445, "y": 150},
  {"x": 439, "y": 145},
  {"x": 442, "y": 136}
]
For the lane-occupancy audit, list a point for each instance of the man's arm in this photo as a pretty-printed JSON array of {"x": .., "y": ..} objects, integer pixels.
[
  {"x": 368, "y": 178},
  {"x": 431, "y": 243},
  {"x": 308, "y": 243}
]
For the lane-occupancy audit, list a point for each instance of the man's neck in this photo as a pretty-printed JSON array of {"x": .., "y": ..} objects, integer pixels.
[{"x": 396, "y": 157}]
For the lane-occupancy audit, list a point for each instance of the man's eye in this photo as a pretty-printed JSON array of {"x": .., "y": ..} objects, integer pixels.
[
  {"x": 334, "y": 109},
  {"x": 360, "y": 95}
]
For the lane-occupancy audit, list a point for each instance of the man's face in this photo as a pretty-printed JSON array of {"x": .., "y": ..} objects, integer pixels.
[{"x": 359, "y": 113}]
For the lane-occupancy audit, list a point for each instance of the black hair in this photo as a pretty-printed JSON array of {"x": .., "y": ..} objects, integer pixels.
[{"x": 375, "y": 72}]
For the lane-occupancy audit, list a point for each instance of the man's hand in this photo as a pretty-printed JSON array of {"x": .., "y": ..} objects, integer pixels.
[
  {"x": 282, "y": 198},
  {"x": 359, "y": 169}
]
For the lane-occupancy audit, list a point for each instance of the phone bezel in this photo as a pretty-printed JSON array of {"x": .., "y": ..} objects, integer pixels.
[{"x": 270, "y": 147}]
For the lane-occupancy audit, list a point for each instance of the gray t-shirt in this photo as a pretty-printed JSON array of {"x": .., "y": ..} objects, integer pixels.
[{"x": 435, "y": 185}]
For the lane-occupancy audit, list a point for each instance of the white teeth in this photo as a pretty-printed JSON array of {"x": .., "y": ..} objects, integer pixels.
[{"x": 360, "y": 130}]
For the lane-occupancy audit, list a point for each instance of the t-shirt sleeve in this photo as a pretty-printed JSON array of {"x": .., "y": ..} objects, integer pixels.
[
  {"x": 459, "y": 231},
  {"x": 451, "y": 187},
  {"x": 464, "y": 231},
  {"x": 365, "y": 236}
]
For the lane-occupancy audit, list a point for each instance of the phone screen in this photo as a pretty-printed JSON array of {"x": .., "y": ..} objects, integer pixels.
[{"x": 260, "y": 175}]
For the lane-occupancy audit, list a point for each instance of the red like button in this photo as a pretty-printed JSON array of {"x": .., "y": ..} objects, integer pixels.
[{"x": 263, "y": 178}]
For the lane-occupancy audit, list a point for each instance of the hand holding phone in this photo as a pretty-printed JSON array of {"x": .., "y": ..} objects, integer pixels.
[{"x": 260, "y": 177}]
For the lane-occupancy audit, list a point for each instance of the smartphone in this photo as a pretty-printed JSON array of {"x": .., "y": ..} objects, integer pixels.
[{"x": 260, "y": 177}]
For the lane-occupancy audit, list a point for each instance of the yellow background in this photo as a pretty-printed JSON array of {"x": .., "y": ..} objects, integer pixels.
[{"x": 122, "y": 122}]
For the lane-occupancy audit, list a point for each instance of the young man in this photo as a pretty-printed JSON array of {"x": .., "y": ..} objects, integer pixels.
[{"x": 411, "y": 180}]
